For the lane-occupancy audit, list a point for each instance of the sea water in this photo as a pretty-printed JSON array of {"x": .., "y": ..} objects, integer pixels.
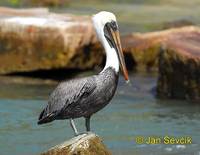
[{"x": 134, "y": 111}]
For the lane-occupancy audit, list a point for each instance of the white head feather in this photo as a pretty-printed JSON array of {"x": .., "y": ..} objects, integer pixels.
[
  {"x": 99, "y": 21},
  {"x": 103, "y": 17}
]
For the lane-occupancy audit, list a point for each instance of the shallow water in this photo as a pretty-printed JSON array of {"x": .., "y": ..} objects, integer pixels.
[{"x": 133, "y": 111}]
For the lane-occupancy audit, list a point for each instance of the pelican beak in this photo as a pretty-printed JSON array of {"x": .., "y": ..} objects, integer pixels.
[
  {"x": 120, "y": 54},
  {"x": 111, "y": 33}
]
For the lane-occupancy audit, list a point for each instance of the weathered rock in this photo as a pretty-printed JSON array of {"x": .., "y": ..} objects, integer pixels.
[
  {"x": 179, "y": 69},
  {"x": 44, "y": 42},
  {"x": 179, "y": 75},
  {"x": 145, "y": 48},
  {"x": 86, "y": 144}
]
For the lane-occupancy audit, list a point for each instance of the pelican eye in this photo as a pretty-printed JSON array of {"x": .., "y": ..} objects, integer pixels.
[{"x": 114, "y": 25}]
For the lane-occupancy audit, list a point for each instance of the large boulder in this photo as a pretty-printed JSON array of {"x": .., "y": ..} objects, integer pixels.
[
  {"x": 31, "y": 41},
  {"x": 85, "y": 144},
  {"x": 179, "y": 66},
  {"x": 144, "y": 48},
  {"x": 176, "y": 53}
]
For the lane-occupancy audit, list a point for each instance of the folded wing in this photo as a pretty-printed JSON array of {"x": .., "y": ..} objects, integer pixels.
[{"x": 66, "y": 93}]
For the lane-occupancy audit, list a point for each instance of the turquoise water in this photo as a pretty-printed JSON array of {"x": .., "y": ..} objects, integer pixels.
[{"x": 133, "y": 111}]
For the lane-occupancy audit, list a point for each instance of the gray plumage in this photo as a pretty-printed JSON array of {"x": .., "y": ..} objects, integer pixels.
[{"x": 80, "y": 97}]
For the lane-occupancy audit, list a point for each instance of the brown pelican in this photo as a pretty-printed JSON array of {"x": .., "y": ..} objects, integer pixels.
[{"x": 82, "y": 97}]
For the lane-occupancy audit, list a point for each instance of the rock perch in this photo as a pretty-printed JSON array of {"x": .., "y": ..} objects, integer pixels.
[{"x": 85, "y": 144}]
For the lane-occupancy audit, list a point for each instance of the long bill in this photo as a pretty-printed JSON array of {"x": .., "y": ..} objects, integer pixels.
[{"x": 116, "y": 38}]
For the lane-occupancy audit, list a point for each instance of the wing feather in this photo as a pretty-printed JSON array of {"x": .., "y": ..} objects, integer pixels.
[{"x": 66, "y": 93}]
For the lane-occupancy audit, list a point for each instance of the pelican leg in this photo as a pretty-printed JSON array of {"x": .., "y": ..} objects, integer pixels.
[
  {"x": 87, "y": 123},
  {"x": 73, "y": 127}
]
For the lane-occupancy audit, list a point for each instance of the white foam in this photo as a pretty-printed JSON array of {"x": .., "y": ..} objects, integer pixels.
[
  {"x": 180, "y": 146},
  {"x": 169, "y": 149}
]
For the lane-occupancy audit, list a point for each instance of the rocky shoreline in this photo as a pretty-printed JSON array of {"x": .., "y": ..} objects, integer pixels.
[{"x": 33, "y": 40}]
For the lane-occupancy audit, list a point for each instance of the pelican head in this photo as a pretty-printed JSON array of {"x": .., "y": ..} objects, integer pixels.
[{"x": 107, "y": 30}]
